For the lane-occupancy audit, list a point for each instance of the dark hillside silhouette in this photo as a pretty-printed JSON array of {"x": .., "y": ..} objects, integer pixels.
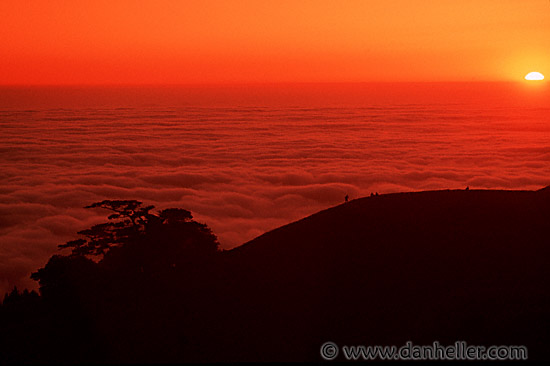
[{"x": 153, "y": 287}]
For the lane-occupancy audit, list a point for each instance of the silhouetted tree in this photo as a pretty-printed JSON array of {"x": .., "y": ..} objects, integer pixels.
[
  {"x": 16, "y": 298},
  {"x": 64, "y": 276},
  {"x": 126, "y": 223},
  {"x": 102, "y": 298},
  {"x": 175, "y": 215},
  {"x": 134, "y": 225}
]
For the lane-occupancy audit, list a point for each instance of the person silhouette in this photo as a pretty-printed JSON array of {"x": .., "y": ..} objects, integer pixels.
[{"x": 346, "y": 198}]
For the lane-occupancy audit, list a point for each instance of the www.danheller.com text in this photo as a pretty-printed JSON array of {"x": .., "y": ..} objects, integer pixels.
[{"x": 460, "y": 350}]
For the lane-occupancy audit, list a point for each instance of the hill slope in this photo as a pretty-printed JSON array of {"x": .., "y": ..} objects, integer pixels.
[{"x": 442, "y": 265}]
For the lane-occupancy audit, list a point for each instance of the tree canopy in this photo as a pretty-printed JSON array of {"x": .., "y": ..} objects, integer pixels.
[{"x": 130, "y": 222}]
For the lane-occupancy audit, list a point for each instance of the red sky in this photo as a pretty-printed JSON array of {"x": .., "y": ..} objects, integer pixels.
[{"x": 206, "y": 41}]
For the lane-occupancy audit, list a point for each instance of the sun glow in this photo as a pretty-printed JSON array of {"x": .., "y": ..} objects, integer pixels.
[{"x": 534, "y": 76}]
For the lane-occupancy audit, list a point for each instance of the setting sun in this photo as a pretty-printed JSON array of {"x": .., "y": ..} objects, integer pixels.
[{"x": 534, "y": 76}]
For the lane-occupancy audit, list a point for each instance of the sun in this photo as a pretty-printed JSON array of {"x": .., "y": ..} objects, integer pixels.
[{"x": 534, "y": 76}]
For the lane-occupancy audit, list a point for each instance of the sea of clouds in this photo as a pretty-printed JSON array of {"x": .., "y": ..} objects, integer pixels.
[{"x": 244, "y": 170}]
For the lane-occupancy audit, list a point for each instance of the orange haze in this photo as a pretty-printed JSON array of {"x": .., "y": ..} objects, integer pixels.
[{"x": 226, "y": 41}]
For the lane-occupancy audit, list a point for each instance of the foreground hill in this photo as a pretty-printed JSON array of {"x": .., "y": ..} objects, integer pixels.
[{"x": 442, "y": 266}]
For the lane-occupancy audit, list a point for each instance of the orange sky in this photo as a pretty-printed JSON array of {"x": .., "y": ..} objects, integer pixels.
[{"x": 207, "y": 41}]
